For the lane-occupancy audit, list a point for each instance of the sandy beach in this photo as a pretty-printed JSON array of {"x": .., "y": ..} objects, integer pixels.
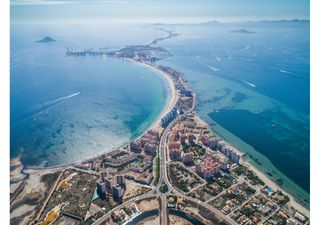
[
  {"x": 292, "y": 203},
  {"x": 173, "y": 95}
]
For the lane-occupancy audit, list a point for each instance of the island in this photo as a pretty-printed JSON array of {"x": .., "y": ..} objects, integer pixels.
[
  {"x": 46, "y": 40},
  {"x": 243, "y": 31},
  {"x": 177, "y": 169}
]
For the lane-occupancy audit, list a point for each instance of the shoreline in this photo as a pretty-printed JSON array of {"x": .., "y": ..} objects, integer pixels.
[
  {"x": 263, "y": 176},
  {"x": 173, "y": 95},
  {"x": 155, "y": 125}
]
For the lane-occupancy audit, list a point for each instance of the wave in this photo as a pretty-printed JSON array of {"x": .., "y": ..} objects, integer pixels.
[{"x": 218, "y": 58}]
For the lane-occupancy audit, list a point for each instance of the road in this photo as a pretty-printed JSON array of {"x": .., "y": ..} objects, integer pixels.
[
  {"x": 103, "y": 219},
  {"x": 163, "y": 178}
]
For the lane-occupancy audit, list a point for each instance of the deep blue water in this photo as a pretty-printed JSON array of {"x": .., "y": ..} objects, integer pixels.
[{"x": 249, "y": 129}]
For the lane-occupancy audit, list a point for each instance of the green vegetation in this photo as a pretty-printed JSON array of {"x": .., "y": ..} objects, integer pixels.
[
  {"x": 225, "y": 183},
  {"x": 239, "y": 170},
  {"x": 198, "y": 150},
  {"x": 249, "y": 174},
  {"x": 157, "y": 171},
  {"x": 163, "y": 188},
  {"x": 254, "y": 179},
  {"x": 249, "y": 190},
  {"x": 182, "y": 178}
]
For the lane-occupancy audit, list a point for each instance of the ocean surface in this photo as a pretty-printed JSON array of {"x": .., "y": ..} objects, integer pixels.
[
  {"x": 253, "y": 89},
  {"x": 66, "y": 109}
]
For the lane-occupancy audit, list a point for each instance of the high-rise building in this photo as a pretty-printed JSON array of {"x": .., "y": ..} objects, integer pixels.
[
  {"x": 150, "y": 149},
  {"x": 101, "y": 187},
  {"x": 198, "y": 166},
  {"x": 121, "y": 180},
  {"x": 135, "y": 146},
  {"x": 183, "y": 138},
  {"x": 187, "y": 158},
  {"x": 117, "y": 191},
  {"x": 109, "y": 182},
  {"x": 175, "y": 154},
  {"x": 212, "y": 142}
]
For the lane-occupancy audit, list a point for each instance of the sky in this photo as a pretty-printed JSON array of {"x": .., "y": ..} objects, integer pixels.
[{"x": 187, "y": 11}]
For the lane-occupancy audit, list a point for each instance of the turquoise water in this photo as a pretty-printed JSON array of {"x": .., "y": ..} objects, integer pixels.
[
  {"x": 66, "y": 109},
  {"x": 253, "y": 90}
]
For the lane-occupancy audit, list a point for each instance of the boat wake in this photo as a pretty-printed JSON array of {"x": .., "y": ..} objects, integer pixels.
[
  {"x": 246, "y": 82},
  {"x": 208, "y": 66},
  {"x": 284, "y": 71},
  {"x": 244, "y": 49},
  {"x": 43, "y": 107}
]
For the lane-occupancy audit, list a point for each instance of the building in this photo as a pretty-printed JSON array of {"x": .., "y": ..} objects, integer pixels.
[
  {"x": 153, "y": 133},
  {"x": 192, "y": 138},
  {"x": 224, "y": 164},
  {"x": 175, "y": 154},
  {"x": 117, "y": 191},
  {"x": 187, "y": 158},
  {"x": 298, "y": 216},
  {"x": 208, "y": 168},
  {"x": 121, "y": 180},
  {"x": 144, "y": 178},
  {"x": 292, "y": 221},
  {"x": 212, "y": 143},
  {"x": 109, "y": 183},
  {"x": 183, "y": 138},
  {"x": 101, "y": 187},
  {"x": 234, "y": 157},
  {"x": 205, "y": 140},
  {"x": 150, "y": 149},
  {"x": 135, "y": 146},
  {"x": 198, "y": 166},
  {"x": 168, "y": 117},
  {"x": 174, "y": 145}
]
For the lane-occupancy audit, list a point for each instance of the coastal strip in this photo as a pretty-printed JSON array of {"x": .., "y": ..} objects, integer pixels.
[{"x": 135, "y": 161}]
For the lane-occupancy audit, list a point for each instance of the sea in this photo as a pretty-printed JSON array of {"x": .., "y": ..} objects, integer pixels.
[
  {"x": 252, "y": 81},
  {"x": 67, "y": 109}
]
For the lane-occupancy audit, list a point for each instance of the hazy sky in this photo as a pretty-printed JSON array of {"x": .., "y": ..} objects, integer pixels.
[{"x": 160, "y": 11}]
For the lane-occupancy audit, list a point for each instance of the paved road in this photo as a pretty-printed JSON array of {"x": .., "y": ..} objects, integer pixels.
[
  {"x": 163, "y": 178},
  {"x": 102, "y": 220}
]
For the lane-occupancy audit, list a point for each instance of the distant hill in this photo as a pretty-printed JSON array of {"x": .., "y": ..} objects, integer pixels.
[
  {"x": 46, "y": 40},
  {"x": 247, "y": 24},
  {"x": 243, "y": 31}
]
